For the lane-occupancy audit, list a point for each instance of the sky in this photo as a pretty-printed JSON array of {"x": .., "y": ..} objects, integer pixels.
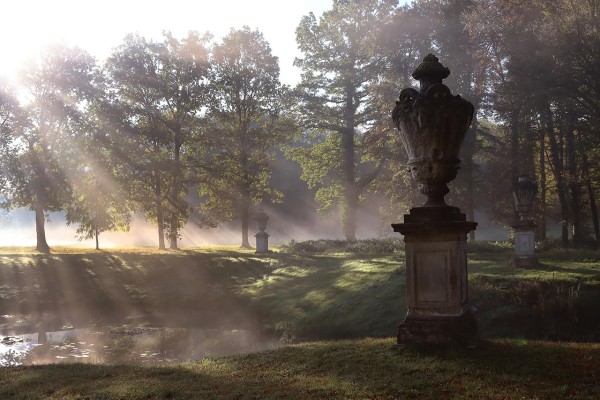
[{"x": 99, "y": 26}]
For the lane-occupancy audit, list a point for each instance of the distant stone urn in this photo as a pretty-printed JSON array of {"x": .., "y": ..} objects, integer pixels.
[{"x": 432, "y": 124}]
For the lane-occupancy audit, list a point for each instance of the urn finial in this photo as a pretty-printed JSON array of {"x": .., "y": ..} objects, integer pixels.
[{"x": 430, "y": 72}]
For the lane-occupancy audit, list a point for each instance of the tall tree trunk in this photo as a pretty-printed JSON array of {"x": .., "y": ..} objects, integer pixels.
[
  {"x": 245, "y": 217},
  {"x": 573, "y": 181},
  {"x": 558, "y": 172},
  {"x": 40, "y": 203},
  {"x": 159, "y": 215},
  {"x": 246, "y": 190},
  {"x": 97, "y": 239},
  {"x": 174, "y": 223},
  {"x": 40, "y": 229},
  {"x": 470, "y": 143},
  {"x": 592, "y": 197},
  {"x": 542, "y": 226},
  {"x": 173, "y": 233},
  {"x": 514, "y": 143},
  {"x": 350, "y": 207},
  {"x": 161, "y": 228}
]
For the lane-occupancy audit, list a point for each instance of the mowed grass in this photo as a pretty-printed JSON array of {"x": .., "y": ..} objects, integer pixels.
[
  {"x": 80, "y": 287},
  {"x": 296, "y": 296},
  {"x": 346, "y": 369},
  {"x": 307, "y": 297},
  {"x": 332, "y": 295}
]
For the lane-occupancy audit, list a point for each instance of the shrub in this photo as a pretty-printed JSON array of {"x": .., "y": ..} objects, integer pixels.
[{"x": 380, "y": 246}]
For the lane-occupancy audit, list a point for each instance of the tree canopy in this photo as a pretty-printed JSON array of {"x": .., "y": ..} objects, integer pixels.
[{"x": 176, "y": 127}]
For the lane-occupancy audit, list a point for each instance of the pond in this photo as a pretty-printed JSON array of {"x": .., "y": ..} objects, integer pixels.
[{"x": 127, "y": 344}]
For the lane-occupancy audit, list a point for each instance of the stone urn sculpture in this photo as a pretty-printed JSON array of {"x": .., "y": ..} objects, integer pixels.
[
  {"x": 432, "y": 124},
  {"x": 524, "y": 191}
]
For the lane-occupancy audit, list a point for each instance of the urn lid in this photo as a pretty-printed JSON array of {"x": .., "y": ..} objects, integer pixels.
[{"x": 431, "y": 70}]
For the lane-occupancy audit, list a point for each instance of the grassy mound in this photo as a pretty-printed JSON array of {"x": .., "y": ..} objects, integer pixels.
[
  {"x": 295, "y": 295},
  {"x": 300, "y": 295}
]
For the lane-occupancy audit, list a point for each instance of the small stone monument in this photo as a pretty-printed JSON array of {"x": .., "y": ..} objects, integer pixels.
[
  {"x": 524, "y": 191},
  {"x": 432, "y": 124},
  {"x": 262, "y": 237}
]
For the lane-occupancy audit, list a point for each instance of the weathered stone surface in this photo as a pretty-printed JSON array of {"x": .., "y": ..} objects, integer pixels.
[
  {"x": 525, "y": 243},
  {"x": 432, "y": 125},
  {"x": 525, "y": 249},
  {"x": 436, "y": 277},
  {"x": 439, "y": 330},
  {"x": 262, "y": 242},
  {"x": 436, "y": 261}
]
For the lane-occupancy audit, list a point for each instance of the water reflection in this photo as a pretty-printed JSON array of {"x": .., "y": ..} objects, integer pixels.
[{"x": 126, "y": 345}]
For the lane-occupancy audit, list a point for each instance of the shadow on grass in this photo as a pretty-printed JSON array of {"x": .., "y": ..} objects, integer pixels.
[
  {"x": 360, "y": 369},
  {"x": 178, "y": 289},
  {"x": 333, "y": 296}
]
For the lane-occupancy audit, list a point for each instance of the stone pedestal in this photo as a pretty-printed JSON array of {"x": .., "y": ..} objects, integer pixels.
[
  {"x": 262, "y": 242},
  {"x": 436, "y": 277},
  {"x": 525, "y": 244}
]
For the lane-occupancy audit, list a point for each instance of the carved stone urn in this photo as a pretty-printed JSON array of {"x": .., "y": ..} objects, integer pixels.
[
  {"x": 524, "y": 191},
  {"x": 432, "y": 124}
]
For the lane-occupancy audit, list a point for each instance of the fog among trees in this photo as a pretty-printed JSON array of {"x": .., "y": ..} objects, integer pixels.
[{"x": 194, "y": 126}]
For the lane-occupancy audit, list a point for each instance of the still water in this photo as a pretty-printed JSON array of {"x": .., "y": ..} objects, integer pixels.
[{"x": 126, "y": 345}]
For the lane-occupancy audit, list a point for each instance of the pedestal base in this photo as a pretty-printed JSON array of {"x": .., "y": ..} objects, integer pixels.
[
  {"x": 439, "y": 330},
  {"x": 262, "y": 242},
  {"x": 436, "y": 277},
  {"x": 525, "y": 244}
]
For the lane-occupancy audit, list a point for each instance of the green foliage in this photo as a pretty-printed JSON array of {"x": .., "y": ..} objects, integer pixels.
[
  {"x": 99, "y": 205},
  {"x": 245, "y": 121},
  {"x": 10, "y": 123},
  {"x": 490, "y": 246},
  {"x": 549, "y": 308},
  {"x": 155, "y": 94},
  {"x": 59, "y": 86},
  {"x": 335, "y": 107},
  {"x": 375, "y": 246},
  {"x": 541, "y": 59}
]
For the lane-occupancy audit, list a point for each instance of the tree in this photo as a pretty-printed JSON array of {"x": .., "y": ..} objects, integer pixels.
[
  {"x": 158, "y": 91},
  {"x": 99, "y": 202},
  {"x": 336, "y": 104},
  {"x": 97, "y": 207},
  {"x": 545, "y": 53},
  {"x": 454, "y": 45},
  {"x": 58, "y": 85},
  {"x": 244, "y": 123},
  {"x": 10, "y": 122}
]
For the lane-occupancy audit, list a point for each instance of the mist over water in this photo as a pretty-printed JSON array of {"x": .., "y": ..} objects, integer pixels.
[
  {"x": 127, "y": 345},
  {"x": 18, "y": 229}
]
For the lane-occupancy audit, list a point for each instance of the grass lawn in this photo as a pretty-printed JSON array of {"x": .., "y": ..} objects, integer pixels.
[
  {"x": 347, "y": 369},
  {"x": 309, "y": 296}
]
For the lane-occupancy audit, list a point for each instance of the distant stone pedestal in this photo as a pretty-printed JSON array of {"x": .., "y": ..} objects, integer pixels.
[
  {"x": 525, "y": 244},
  {"x": 262, "y": 242},
  {"x": 436, "y": 277}
]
